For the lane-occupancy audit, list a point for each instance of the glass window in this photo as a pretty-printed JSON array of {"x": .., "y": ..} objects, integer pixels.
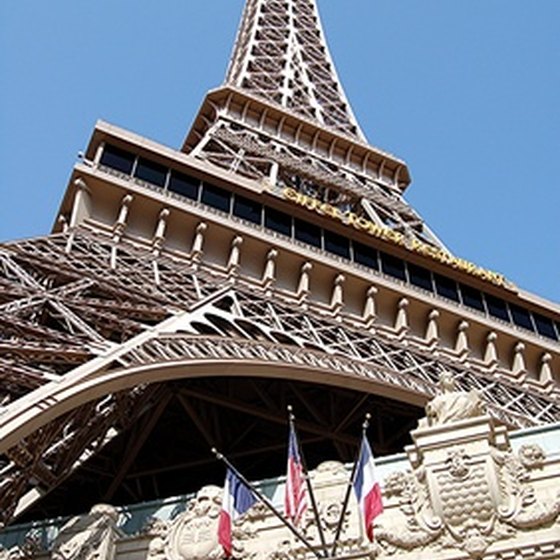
[
  {"x": 365, "y": 255},
  {"x": 150, "y": 172},
  {"x": 521, "y": 317},
  {"x": 337, "y": 244},
  {"x": 216, "y": 197},
  {"x": 420, "y": 276},
  {"x": 393, "y": 266},
  {"x": 184, "y": 185},
  {"x": 446, "y": 287},
  {"x": 278, "y": 221},
  {"x": 544, "y": 326},
  {"x": 247, "y": 209},
  {"x": 497, "y": 307},
  {"x": 118, "y": 159},
  {"x": 471, "y": 297},
  {"x": 308, "y": 233}
]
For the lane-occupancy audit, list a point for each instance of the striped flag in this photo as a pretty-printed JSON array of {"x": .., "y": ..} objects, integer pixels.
[
  {"x": 238, "y": 498},
  {"x": 295, "y": 497},
  {"x": 367, "y": 488}
]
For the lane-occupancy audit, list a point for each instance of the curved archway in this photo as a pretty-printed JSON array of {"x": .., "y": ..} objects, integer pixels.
[
  {"x": 246, "y": 359},
  {"x": 251, "y": 379}
]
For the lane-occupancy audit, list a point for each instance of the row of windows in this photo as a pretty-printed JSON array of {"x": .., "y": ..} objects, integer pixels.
[{"x": 311, "y": 234}]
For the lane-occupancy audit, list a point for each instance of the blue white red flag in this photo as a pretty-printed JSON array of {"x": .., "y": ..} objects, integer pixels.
[
  {"x": 295, "y": 496},
  {"x": 238, "y": 498},
  {"x": 367, "y": 489}
]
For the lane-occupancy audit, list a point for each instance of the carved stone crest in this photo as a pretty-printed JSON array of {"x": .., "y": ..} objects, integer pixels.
[
  {"x": 194, "y": 534},
  {"x": 464, "y": 491}
]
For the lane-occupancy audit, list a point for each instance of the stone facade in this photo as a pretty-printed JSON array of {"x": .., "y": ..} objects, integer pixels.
[{"x": 462, "y": 492}]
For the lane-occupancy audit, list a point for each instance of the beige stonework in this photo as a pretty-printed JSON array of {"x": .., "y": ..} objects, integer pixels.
[{"x": 464, "y": 494}]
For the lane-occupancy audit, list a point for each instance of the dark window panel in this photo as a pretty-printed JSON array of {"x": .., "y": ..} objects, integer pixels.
[
  {"x": 393, "y": 266},
  {"x": 278, "y": 221},
  {"x": 150, "y": 172},
  {"x": 216, "y": 197},
  {"x": 308, "y": 233},
  {"x": 521, "y": 317},
  {"x": 472, "y": 298},
  {"x": 446, "y": 287},
  {"x": 118, "y": 159},
  {"x": 365, "y": 255},
  {"x": 337, "y": 244},
  {"x": 544, "y": 326},
  {"x": 247, "y": 209},
  {"x": 497, "y": 307},
  {"x": 184, "y": 185},
  {"x": 420, "y": 276}
]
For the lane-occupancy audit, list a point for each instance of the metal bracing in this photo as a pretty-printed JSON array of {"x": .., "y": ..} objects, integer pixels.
[
  {"x": 72, "y": 312},
  {"x": 281, "y": 60},
  {"x": 264, "y": 155},
  {"x": 281, "y": 56}
]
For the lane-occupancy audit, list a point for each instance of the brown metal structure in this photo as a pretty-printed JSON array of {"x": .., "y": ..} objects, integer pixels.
[{"x": 186, "y": 297}]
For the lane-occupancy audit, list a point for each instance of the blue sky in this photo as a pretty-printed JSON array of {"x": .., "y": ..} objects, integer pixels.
[{"x": 467, "y": 92}]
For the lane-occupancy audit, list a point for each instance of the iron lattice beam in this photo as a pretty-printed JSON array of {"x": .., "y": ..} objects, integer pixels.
[
  {"x": 281, "y": 55},
  {"x": 69, "y": 306}
]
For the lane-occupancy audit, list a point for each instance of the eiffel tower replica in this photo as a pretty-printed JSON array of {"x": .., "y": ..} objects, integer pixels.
[{"x": 185, "y": 297}]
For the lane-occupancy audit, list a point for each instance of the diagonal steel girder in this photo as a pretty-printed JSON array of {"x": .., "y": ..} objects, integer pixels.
[{"x": 321, "y": 349}]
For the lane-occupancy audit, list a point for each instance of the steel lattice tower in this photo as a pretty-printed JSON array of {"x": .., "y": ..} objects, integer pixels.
[{"x": 186, "y": 296}]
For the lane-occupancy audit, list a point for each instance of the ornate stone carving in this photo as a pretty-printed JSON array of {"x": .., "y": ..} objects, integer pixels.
[
  {"x": 467, "y": 489},
  {"x": 417, "y": 525},
  {"x": 521, "y": 507},
  {"x": 194, "y": 534},
  {"x": 532, "y": 456},
  {"x": 88, "y": 538},
  {"x": 452, "y": 405},
  {"x": 158, "y": 530}
]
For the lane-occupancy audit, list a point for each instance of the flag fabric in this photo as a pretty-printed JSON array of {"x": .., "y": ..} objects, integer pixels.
[
  {"x": 238, "y": 498},
  {"x": 295, "y": 496},
  {"x": 366, "y": 487}
]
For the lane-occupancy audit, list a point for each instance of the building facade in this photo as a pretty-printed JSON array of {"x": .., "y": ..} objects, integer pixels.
[{"x": 186, "y": 297}]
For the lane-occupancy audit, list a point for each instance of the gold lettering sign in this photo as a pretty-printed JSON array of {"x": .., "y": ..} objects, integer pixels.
[{"x": 387, "y": 234}]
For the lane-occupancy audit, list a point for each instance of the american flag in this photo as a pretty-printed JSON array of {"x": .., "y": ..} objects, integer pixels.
[{"x": 295, "y": 497}]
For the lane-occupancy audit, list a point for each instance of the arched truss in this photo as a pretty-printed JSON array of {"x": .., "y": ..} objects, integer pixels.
[{"x": 85, "y": 350}]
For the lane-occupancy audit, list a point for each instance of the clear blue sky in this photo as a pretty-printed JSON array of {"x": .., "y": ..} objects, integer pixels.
[{"x": 466, "y": 91}]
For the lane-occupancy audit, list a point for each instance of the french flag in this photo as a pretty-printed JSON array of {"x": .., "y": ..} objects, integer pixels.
[
  {"x": 367, "y": 488},
  {"x": 238, "y": 498}
]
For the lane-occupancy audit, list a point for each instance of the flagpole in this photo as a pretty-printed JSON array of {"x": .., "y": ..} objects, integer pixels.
[
  {"x": 365, "y": 426},
  {"x": 266, "y": 502},
  {"x": 292, "y": 419}
]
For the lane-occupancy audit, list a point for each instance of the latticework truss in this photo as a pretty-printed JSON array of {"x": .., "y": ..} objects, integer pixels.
[
  {"x": 79, "y": 325},
  {"x": 281, "y": 56},
  {"x": 282, "y": 119},
  {"x": 266, "y": 156}
]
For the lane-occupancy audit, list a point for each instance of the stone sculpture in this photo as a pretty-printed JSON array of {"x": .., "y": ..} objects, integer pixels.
[
  {"x": 91, "y": 537},
  {"x": 194, "y": 534},
  {"x": 466, "y": 489}
]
